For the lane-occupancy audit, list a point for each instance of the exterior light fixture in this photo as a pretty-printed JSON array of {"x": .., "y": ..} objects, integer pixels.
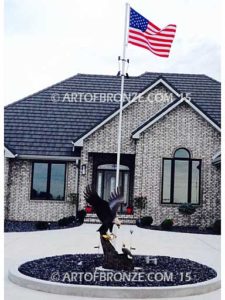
[{"x": 83, "y": 170}]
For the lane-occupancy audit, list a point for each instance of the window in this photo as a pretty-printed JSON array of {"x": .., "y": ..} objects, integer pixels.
[
  {"x": 48, "y": 181},
  {"x": 181, "y": 178}
]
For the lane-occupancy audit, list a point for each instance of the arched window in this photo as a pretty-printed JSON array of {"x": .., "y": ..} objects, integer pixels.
[
  {"x": 182, "y": 153},
  {"x": 181, "y": 178}
]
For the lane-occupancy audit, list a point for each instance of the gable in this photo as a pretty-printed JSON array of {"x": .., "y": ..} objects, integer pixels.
[
  {"x": 158, "y": 82},
  {"x": 181, "y": 127},
  {"x": 167, "y": 109}
]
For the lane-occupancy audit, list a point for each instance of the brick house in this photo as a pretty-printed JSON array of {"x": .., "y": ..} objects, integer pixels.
[{"x": 64, "y": 137}]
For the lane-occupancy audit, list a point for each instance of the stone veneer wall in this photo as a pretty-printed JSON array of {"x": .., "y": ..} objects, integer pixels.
[
  {"x": 183, "y": 127},
  {"x": 180, "y": 128},
  {"x": 7, "y": 183},
  {"x": 20, "y": 207},
  {"x": 104, "y": 140}
]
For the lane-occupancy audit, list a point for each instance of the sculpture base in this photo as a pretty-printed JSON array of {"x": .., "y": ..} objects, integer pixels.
[{"x": 113, "y": 260}]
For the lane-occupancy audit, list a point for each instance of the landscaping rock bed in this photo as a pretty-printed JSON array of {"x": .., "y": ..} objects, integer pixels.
[
  {"x": 184, "y": 229},
  {"x": 150, "y": 271},
  {"x": 25, "y": 226}
]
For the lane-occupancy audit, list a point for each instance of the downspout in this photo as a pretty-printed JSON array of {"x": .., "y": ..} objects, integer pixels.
[
  {"x": 77, "y": 179},
  {"x": 73, "y": 146},
  {"x": 142, "y": 162},
  {"x": 77, "y": 184},
  {"x": 134, "y": 179}
]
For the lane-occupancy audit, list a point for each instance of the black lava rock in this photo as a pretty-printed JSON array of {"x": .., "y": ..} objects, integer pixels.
[
  {"x": 25, "y": 226},
  {"x": 86, "y": 269}
]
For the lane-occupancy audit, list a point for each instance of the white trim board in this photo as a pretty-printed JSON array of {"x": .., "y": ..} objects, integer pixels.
[
  {"x": 43, "y": 157},
  {"x": 216, "y": 155},
  {"x": 8, "y": 153},
  {"x": 79, "y": 142},
  {"x": 137, "y": 134}
]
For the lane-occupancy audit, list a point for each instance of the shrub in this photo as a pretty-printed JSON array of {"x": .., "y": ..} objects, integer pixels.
[
  {"x": 71, "y": 219},
  {"x": 146, "y": 221},
  {"x": 66, "y": 221},
  {"x": 42, "y": 225},
  {"x": 138, "y": 222},
  {"x": 167, "y": 224},
  {"x": 81, "y": 214},
  {"x": 217, "y": 227},
  {"x": 187, "y": 209},
  {"x": 140, "y": 203}
]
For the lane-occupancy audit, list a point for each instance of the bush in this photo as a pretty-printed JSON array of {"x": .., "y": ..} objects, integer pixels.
[
  {"x": 81, "y": 214},
  {"x": 167, "y": 224},
  {"x": 138, "y": 222},
  {"x": 140, "y": 203},
  {"x": 42, "y": 225},
  {"x": 187, "y": 209},
  {"x": 66, "y": 221},
  {"x": 217, "y": 227},
  {"x": 146, "y": 221}
]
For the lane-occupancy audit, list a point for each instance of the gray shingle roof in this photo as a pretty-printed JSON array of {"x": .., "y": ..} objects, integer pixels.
[{"x": 36, "y": 125}]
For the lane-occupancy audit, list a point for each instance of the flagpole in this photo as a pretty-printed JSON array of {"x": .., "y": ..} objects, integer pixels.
[{"x": 127, "y": 11}]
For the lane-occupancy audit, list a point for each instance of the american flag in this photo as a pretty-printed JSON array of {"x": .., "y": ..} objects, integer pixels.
[{"x": 145, "y": 34}]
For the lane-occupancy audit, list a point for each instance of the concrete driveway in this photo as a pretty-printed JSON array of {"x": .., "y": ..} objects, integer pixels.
[{"x": 26, "y": 246}]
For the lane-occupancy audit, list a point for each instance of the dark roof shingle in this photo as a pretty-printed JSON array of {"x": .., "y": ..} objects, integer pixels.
[{"x": 36, "y": 125}]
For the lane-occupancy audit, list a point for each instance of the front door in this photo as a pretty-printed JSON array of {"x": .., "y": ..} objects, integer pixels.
[
  {"x": 106, "y": 183},
  {"x": 110, "y": 183}
]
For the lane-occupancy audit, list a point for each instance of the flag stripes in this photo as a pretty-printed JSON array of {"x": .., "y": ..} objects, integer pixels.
[{"x": 145, "y": 34}]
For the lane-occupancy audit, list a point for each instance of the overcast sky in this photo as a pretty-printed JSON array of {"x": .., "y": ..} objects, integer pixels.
[{"x": 47, "y": 41}]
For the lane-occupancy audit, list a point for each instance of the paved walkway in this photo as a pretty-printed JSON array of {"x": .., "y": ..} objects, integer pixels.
[{"x": 31, "y": 245}]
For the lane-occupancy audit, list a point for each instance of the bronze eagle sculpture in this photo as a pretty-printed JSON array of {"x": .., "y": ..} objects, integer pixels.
[{"x": 105, "y": 210}]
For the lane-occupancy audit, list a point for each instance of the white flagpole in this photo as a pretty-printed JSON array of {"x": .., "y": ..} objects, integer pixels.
[{"x": 122, "y": 92}]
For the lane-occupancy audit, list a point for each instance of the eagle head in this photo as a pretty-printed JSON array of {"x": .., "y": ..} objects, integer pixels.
[{"x": 117, "y": 222}]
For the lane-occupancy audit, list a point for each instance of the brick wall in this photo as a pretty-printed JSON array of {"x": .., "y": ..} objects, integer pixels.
[
  {"x": 7, "y": 183},
  {"x": 183, "y": 127},
  {"x": 104, "y": 140},
  {"x": 180, "y": 128},
  {"x": 20, "y": 205}
]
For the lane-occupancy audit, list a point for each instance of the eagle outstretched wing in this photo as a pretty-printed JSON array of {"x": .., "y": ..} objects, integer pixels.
[
  {"x": 100, "y": 206},
  {"x": 91, "y": 196},
  {"x": 106, "y": 211},
  {"x": 115, "y": 200}
]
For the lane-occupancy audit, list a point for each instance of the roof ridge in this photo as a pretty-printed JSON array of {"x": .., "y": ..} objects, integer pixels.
[
  {"x": 187, "y": 74},
  {"x": 28, "y": 126},
  {"x": 217, "y": 81},
  {"x": 160, "y": 74},
  {"x": 104, "y": 75}
]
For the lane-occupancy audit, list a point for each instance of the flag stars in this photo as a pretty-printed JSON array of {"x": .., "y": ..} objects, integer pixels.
[{"x": 137, "y": 21}]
